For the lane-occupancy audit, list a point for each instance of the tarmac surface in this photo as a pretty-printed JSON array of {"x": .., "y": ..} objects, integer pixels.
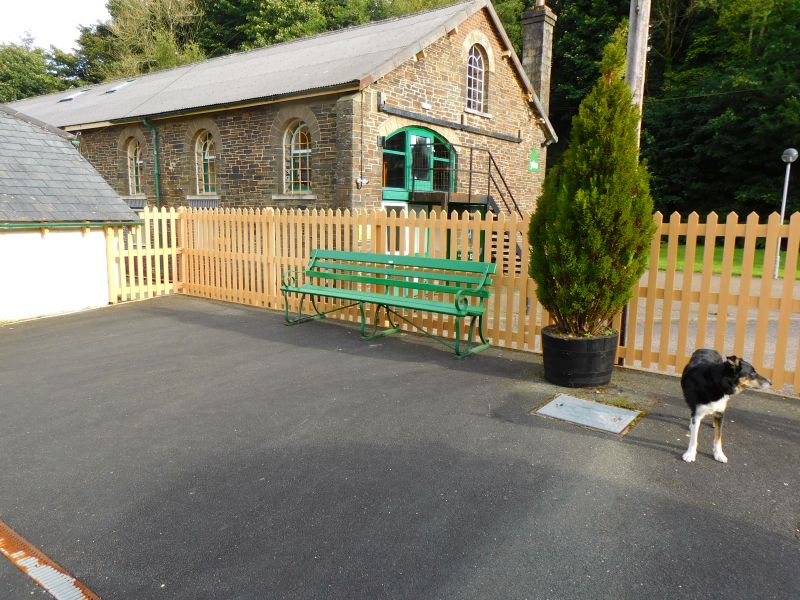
[{"x": 183, "y": 448}]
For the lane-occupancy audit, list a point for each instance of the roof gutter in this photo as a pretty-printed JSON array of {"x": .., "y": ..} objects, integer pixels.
[
  {"x": 70, "y": 224},
  {"x": 156, "y": 177}
]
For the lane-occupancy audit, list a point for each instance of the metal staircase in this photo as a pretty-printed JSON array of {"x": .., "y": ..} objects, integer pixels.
[{"x": 470, "y": 181}]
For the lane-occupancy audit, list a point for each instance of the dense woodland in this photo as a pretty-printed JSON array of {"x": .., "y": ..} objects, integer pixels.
[{"x": 722, "y": 98}]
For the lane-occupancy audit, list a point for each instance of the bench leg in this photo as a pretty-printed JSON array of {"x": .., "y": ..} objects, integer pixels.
[
  {"x": 301, "y": 318},
  {"x": 375, "y": 333},
  {"x": 457, "y": 346},
  {"x": 470, "y": 348}
]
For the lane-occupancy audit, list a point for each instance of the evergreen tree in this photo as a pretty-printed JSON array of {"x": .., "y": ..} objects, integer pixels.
[{"x": 591, "y": 231}]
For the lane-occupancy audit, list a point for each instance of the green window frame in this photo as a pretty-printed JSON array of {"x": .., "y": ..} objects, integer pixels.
[{"x": 401, "y": 175}]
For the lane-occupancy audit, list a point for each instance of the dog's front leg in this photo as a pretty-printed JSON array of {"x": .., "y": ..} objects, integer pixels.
[
  {"x": 718, "y": 453},
  {"x": 694, "y": 425}
]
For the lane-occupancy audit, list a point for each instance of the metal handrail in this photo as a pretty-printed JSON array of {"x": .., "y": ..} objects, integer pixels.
[{"x": 503, "y": 179}]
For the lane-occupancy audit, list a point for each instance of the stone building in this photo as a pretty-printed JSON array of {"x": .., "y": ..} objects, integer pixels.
[{"x": 430, "y": 110}]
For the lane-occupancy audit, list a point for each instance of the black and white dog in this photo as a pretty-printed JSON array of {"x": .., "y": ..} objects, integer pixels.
[{"x": 708, "y": 382}]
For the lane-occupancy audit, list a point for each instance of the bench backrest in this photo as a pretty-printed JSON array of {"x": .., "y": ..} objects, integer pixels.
[{"x": 387, "y": 271}]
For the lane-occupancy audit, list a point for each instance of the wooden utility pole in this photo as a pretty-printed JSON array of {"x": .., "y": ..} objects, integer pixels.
[{"x": 638, "y": 26}]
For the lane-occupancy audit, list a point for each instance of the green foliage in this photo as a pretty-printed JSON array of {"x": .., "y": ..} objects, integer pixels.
[
  {"x": 150, "y": 35},
  {"x": 591, "y": 231},
  {"x": 510, "y": 13},
  {"x": 24, "y": 71},
  {"x": 228, "y": 26},
  {"x": 398, "y": 8},
  {"x": 281, "y": 21},
  {"x": 582, "y": 30},
  {"x": 98, "y": 49},
  {"x": 715, "y": 132},
  {"x": 220, "y": 30}
]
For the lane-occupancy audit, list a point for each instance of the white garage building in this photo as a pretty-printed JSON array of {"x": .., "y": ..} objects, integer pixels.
[{"x": 54, "y": 210}]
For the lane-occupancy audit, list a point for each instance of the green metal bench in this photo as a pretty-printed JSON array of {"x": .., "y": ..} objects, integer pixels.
[{"x": 393, "y": 283}]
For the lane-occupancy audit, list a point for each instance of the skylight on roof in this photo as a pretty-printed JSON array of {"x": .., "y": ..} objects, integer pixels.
[
  {"x": 72, "y": 96},
  {"x": 119, "y": 86}
]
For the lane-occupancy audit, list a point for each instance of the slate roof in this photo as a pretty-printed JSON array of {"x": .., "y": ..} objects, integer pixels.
[
  {"x": 44, "y": 179},
  {"x": 349, "y": 58}
]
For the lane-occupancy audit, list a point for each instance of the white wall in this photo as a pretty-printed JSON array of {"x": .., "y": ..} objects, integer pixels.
[{"x": 62, "y": 271}]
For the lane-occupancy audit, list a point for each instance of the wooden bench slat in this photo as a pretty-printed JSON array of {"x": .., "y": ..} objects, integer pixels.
[
  {"x": 445, "y": 264},
  {"x": 386, "y": 300},
  {"x": 422, "y": 274},
  {"x": 420, "y": 285}
]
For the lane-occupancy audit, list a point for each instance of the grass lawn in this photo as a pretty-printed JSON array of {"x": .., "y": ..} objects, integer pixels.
[{"x": 758, "y": 260}]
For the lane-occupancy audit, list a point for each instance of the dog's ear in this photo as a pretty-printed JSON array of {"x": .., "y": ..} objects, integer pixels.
[{"x": 734, "y": 361}]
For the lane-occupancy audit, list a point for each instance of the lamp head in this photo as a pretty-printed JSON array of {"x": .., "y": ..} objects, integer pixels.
[{"x": 789, "y": 155}]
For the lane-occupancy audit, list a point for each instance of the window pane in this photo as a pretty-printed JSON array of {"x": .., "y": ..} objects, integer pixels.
[
  {"x": 441, "y": 151},
  {"x": 135, "y": 163},
  {"x": 397, "y": 142},
  {"x": 421, "y": 159},
  {"x": 297, "y": 153},
  {"x": 394, "y": 170},
  {"x": 210, "y": 175},
  {"x": 441, "y": 175},
  {"x": 206, "y": 163}
]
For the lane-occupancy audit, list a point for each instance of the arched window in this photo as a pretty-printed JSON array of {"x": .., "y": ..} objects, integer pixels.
[
  {"x": 135, "y": 167},
  {"x": 477, "y": 80},
  {"x": 205, "y": 157},
  {"x": 297, "y": 158}
]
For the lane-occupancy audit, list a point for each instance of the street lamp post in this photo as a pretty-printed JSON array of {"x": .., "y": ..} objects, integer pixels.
[{"x": 789, "y": 156}]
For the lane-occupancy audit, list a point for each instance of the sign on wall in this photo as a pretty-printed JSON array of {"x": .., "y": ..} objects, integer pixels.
[{"x": 533, "y": 163}]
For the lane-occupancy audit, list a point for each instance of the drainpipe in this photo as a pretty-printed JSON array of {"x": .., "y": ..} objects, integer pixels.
[{"x": 154, "y": 134}]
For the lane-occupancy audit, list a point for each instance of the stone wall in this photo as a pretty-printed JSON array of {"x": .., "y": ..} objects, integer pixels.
[
  {"x": 437, "y": 78},
  {"x": 249, "y": 144}
]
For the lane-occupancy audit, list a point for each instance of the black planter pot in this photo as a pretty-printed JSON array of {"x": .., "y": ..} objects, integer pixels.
[{"x": 578, "y": 362}]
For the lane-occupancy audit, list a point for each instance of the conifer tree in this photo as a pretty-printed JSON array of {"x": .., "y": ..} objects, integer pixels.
[{"x": 591, "y": 231}]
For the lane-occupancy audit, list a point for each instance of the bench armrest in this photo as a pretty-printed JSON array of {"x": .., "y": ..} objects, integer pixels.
[
  {"x": 289, "y": 280},
  {"x": 461, "y": 300}
]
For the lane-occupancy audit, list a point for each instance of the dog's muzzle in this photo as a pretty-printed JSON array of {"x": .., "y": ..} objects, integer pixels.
[{"x": 757, "y": 382}]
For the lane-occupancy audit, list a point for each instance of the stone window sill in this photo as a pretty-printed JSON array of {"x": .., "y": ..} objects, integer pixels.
[
  {"x": 136, "y": 201},
  {"x": 478, "y": 113},
  {"x": 294, "y": 197},
  {"x": 203, "y": 201}
]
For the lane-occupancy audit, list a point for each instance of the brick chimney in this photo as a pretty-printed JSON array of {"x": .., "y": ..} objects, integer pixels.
[{"x": 538, "y": 24}]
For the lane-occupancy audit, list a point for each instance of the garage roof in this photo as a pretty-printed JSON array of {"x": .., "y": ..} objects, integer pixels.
[{"x": 44, "y": 179}]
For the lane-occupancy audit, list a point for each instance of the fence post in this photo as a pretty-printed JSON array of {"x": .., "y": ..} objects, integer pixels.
[
  {"x": 181, "y": 241},
  {"x": 111, "y": 266}
]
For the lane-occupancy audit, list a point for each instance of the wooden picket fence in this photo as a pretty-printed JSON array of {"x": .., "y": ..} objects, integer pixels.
[
  {"x": 143, "y": 260},
  {"x": 240, "y": 256}
]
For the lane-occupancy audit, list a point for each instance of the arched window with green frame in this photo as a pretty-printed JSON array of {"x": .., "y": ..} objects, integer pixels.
[
  {"x": 135, "y": 168},
  {"x": 205, "y": 157},
  {"x": 297, "y": 158},
  {"x": 416, "y": 160}
]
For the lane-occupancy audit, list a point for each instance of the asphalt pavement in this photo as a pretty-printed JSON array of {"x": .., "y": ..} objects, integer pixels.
[{"x": 183, "y": 448}]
